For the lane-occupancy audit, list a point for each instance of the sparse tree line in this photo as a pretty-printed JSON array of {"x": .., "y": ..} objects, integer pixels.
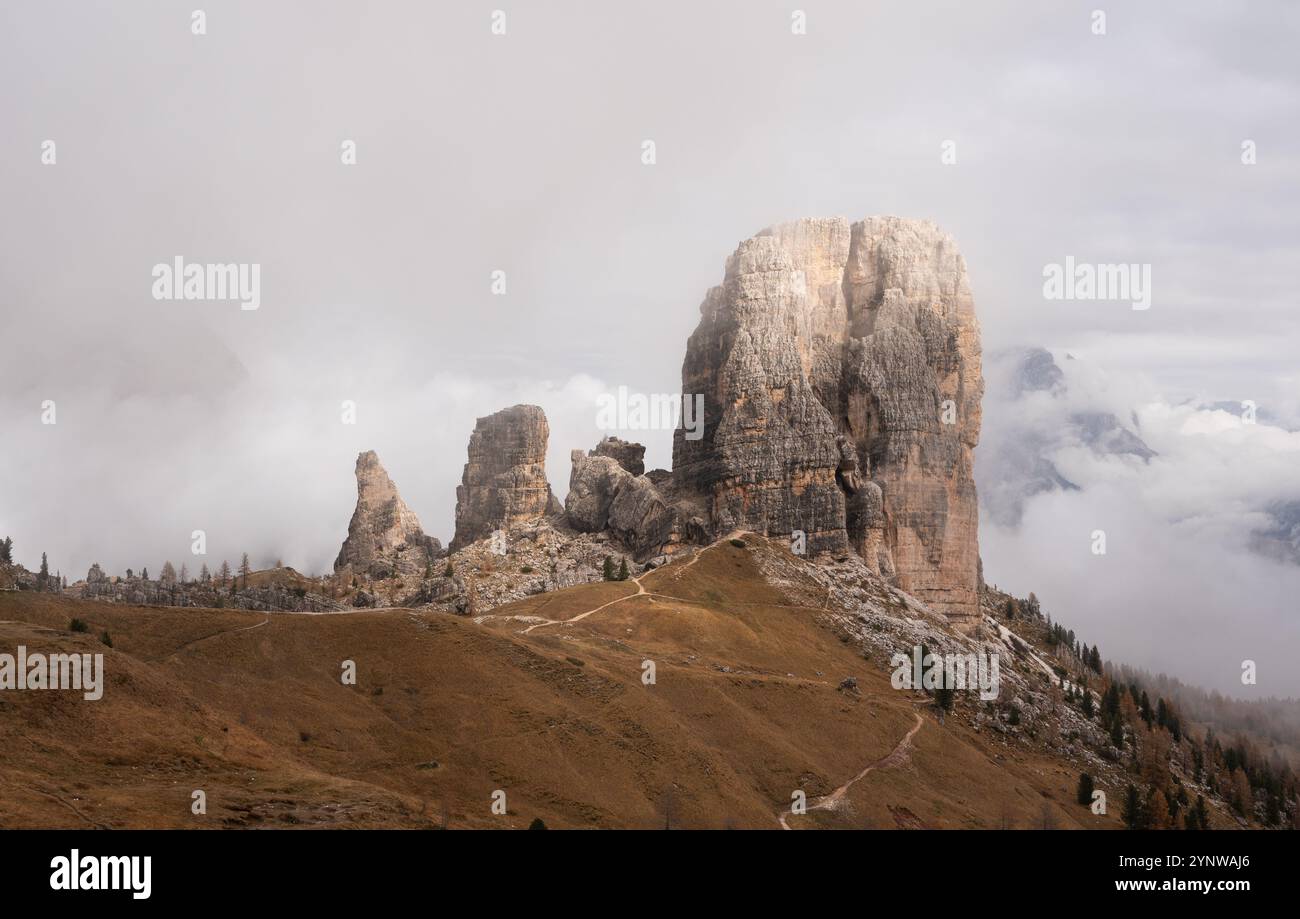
[
  {"x": 225, "y": 588},
  {"x": 1173, "y": 765},
  {"x": 21, "y": 579}
]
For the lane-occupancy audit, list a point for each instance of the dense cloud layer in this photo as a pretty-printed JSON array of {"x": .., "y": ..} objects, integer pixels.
[
  {"x": 1183, "y": 587},
  {"x": 523, "y": 153}
]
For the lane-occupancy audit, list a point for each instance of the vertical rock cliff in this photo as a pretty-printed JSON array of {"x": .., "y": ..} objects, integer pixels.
[
  {"x": 840, "y": 365},
  {"x": 505, "y": 477}
]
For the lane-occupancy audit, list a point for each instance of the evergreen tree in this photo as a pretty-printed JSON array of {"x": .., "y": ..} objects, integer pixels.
[
  {"x": 1117, "y": 732},
  {"x": 1088, "y": 707},
  {"x": 943, "y": 698},
  {"x": 1084, "y": 793},
  {"x": 224, "y": 573},
  {"x": 609, "y": 568},
  {"x": 1110, "y": 702},
  {"x": 622, "y": 570},
  {"x": 1202, "y": 813},
  {"x": 245, "y": 569},
  {"x": 7, "y": 551},
  {"x": 1132, "y": 809},
  {"x": 43, "y": 579}
]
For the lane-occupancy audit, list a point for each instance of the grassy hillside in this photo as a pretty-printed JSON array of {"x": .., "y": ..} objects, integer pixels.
[{"x": 749, "y": 704}]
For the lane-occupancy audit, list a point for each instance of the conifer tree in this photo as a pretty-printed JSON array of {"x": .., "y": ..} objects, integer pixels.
[
  {"x": 1086, "y": 787},
  {"x": 943, "y": 698},
  {"x": 1132, "y": 809}
]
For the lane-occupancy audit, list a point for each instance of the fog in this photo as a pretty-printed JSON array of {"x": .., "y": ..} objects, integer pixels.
[
  {"x": 1181, "y": 586},
  {"x": 522, "y": 153}
]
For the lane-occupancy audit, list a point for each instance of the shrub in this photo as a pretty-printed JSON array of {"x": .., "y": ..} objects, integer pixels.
[
  {"x": 526, "y": 569},
  {"x": 738, "y": 543},
  {"x": 78, "y": 625},
  {"x": 106, "y": 639}
]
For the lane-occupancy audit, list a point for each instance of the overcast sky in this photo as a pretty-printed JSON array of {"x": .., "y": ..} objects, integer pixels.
[{"x": 522, "y": 152}]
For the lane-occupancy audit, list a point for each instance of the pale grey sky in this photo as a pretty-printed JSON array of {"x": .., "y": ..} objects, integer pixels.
[{"x": 522, "y": 152}]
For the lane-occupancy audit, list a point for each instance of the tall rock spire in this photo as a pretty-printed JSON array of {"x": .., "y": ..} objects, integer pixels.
[
  {"x": 504, "y": 481},
  {"x": 385, "y": 536},
  {"x": 840, "y": 367}
]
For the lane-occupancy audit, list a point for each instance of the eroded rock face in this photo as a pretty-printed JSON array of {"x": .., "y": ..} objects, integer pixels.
[
  {"x": 384, "y": 536},
  {"x": 504, "y": 482},
  {"x": 629, "y": 455},
  {"x": 593, "y": 483},
  {"x": 840, "y": 367},
  {"x": 605, "y": 496}
]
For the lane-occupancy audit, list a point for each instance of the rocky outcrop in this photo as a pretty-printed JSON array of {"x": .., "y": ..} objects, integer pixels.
[
  {"x": 605, "y": 495},
  {"x": 504, "y": 482},
  {"x": 840, "y": 367},
  {"x": 385, "y": 536},
  {"x": 628, "y": 455},
  {"x": 594, "y": 481}
]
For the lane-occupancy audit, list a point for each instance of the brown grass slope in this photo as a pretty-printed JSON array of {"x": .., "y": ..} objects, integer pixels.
[{"x": 745, "y": 709}]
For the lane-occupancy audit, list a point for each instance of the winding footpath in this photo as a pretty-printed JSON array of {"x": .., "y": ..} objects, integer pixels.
[
  {"x": 539, "y": 622},
  {"x": 896, "y": 757},
  {"x": 201, "y": 638}
]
